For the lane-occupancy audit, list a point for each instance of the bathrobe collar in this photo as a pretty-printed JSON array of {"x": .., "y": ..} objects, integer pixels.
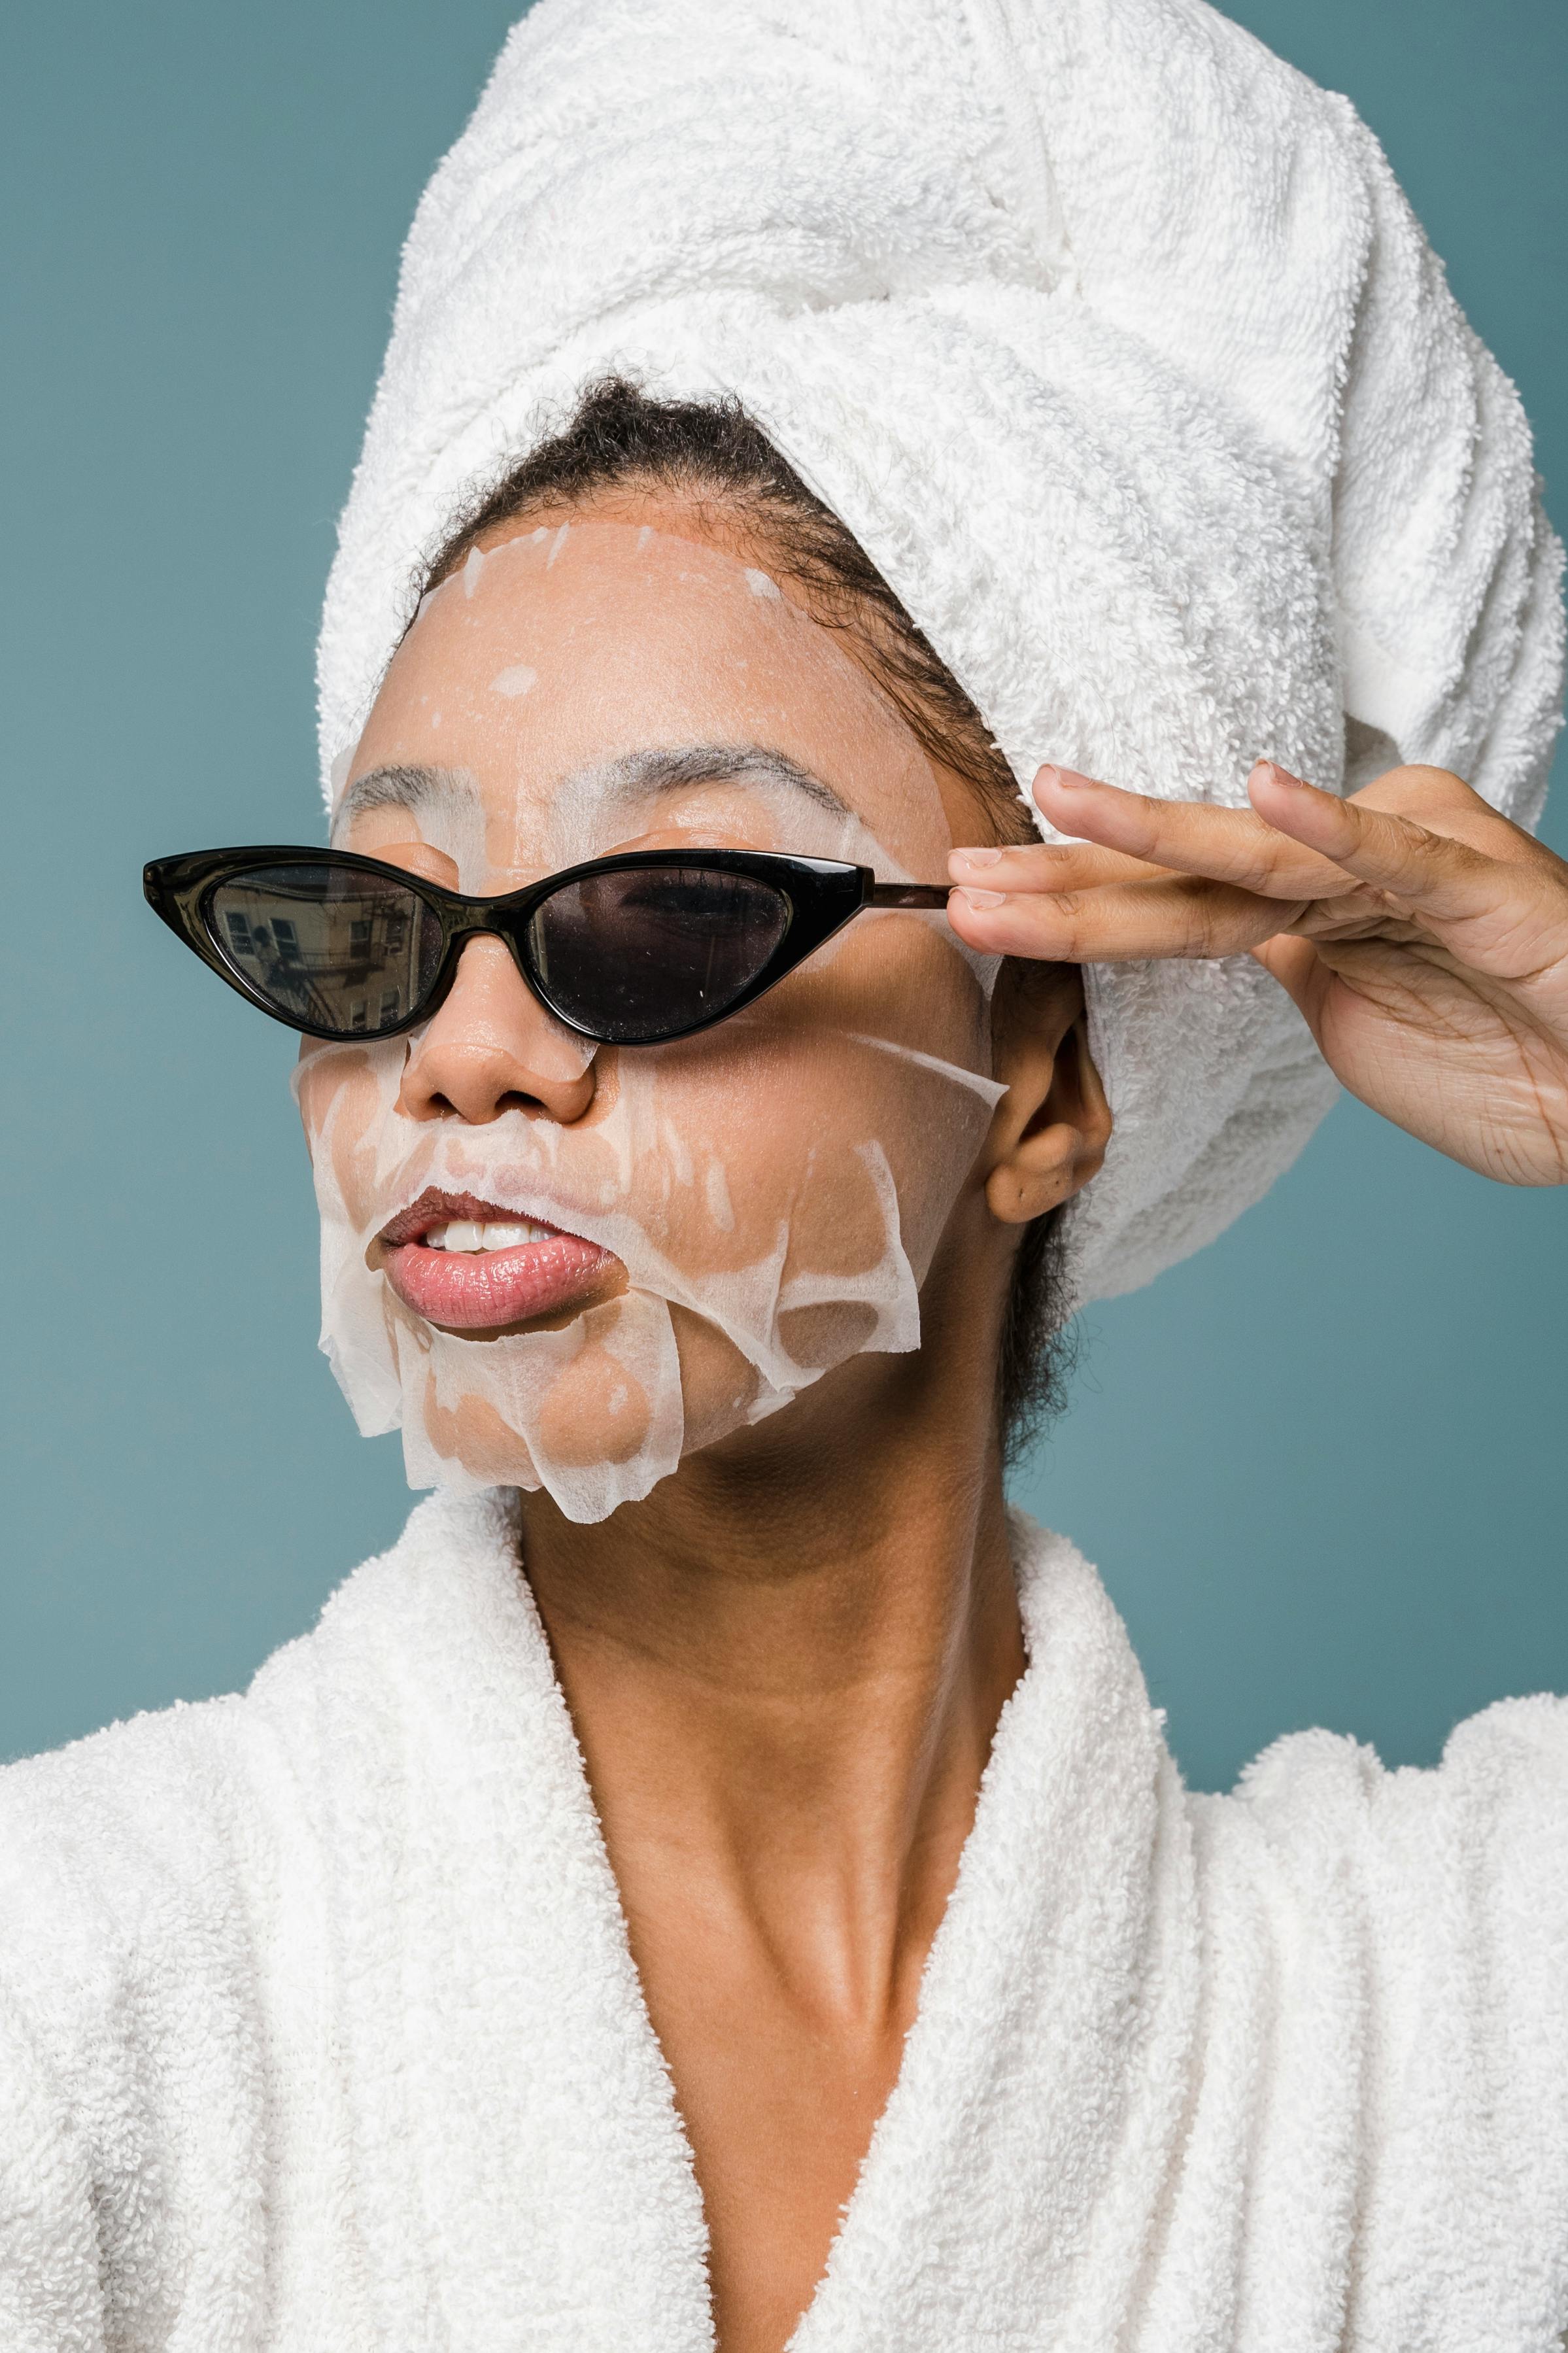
[{"x": 496, "y": 2054}]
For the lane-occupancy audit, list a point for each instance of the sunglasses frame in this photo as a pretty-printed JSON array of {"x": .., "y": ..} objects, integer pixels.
[{"x": 821, "y": 895}]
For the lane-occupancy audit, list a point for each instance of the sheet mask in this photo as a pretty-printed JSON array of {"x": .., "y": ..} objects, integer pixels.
[{"x": 776, "y": 1187}]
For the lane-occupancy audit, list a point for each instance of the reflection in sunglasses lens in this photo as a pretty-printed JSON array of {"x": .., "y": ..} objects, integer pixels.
[
  {"x": 346, "y": 951},
  {"x": 644, "y": 952}
]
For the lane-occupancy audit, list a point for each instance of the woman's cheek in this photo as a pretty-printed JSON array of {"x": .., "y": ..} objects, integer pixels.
[
  {"x": 343, "y": 1101},
  {"x": 318, "y": 1073},
  {"x": 905, "y": 980},
  {"x": 839, "y": 1115}
]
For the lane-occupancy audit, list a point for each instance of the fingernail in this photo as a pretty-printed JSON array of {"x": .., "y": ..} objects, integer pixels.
[
  {"x": 1271, "y": 772},
  {"x": 982, "y": 857},
  {"x": 1066, "y": 780},
  {"x": 985, "y": 898}
]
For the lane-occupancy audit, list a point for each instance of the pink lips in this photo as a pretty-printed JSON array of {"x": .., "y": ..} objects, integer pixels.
[{"x": 486, "y": 1290}]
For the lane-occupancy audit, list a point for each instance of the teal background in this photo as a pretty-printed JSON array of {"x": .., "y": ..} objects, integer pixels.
[{"x": 1322, "y": 1466}]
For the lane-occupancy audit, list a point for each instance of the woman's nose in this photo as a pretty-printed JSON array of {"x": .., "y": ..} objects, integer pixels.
[{"x": 491, "y": 1046}]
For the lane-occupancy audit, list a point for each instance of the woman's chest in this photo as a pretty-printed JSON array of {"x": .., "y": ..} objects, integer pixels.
[{"x": 779, "y": 2103}]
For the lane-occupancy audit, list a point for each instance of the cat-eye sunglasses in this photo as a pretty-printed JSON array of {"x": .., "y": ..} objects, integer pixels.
[{"x": 634, "y": 950}]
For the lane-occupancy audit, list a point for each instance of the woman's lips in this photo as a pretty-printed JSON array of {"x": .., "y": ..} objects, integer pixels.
[{"x": 470, "y": 1289}]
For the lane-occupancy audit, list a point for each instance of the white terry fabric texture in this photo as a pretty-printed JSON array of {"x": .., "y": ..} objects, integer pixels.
[
  {"x": 1115, "y": 343},
  {"x": 318, "y": 2025}
]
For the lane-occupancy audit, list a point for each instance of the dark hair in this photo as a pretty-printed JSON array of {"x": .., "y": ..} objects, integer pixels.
[{"x": 713, "y": 456}]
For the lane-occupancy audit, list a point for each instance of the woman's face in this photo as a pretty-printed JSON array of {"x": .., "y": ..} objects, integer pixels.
[{"x": 567, "y": 1267}]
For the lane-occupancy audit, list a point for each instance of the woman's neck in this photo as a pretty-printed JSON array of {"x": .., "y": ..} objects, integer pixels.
[{"x": 785, "y": 1670}]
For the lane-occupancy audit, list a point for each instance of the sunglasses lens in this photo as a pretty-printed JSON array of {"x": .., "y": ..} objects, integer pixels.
[
  {"x": 348, "y": 952},
  {"x": 644, "y": 952}
]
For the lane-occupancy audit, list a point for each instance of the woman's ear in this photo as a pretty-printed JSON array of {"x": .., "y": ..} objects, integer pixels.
[{"x": 1051, "y": 1128}]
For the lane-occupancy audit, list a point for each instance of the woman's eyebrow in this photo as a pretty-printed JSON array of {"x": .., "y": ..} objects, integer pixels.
[
  {"x": 426, "y": 792},
  {"x": 634, "y": 776},
  {"x": 644, "y": 776}
]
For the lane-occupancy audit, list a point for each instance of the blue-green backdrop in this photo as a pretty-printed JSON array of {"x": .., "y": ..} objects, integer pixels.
[{"x": 1322, "y": 1466}]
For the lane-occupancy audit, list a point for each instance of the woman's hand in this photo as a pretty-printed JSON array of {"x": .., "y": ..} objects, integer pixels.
[{"x": 1424, "y": 937}]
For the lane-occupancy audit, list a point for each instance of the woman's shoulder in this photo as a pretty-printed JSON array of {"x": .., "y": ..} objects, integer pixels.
[
  {"x": 1503, "y": 1772},
  {"x": 158, "y": 1822},
  {"x": 166, "y": 1888},
  {"x": 145, "y": 1830},
  {"x": 124, "y": 1983},
  {"x": 1452, "y": 1879},
  {"x": 129, "y": 1845},
  {"x": 1395, "y": 1942}
]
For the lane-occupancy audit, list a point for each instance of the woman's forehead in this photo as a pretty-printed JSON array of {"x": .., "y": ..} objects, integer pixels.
[{"x": 577, "y": 673}]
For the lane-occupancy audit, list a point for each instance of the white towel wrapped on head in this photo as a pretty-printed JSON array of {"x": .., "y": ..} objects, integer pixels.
[{"x": 1115, "y": 343}]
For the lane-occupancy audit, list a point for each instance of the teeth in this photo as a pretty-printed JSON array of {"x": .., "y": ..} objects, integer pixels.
[{"x": 467, "y": 1234}]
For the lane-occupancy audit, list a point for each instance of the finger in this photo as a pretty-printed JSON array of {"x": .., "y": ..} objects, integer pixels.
[
  {"x": 1228, "y": 845},
  {"x": 1440, "y": 878},
  {"x": 1045, "y": 866},
  {"x": 1177, "y": 916},
  {"x": 1296, "y": 965}
]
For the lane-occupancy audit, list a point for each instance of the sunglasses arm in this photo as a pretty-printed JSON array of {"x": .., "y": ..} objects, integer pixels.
[{"x": 906, "y": 894}]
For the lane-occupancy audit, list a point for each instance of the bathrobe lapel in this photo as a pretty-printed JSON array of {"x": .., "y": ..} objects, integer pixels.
[
  {"x": 1012, "y": 2183},
  {"x": 519, "y": 2179},
  {"x": 521, "y": 2176}
]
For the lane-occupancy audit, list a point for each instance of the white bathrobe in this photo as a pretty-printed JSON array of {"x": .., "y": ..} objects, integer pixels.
[{"x": 318, "y": 2028}]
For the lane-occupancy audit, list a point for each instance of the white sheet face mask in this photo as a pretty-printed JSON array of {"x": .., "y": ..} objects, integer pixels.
[{"x": 772, "y": 1190}]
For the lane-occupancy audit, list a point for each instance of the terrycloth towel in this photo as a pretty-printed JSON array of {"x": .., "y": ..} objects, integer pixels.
[
  {"x": 1112, "y": 340},
  {"x": 319, "y": 2026}
]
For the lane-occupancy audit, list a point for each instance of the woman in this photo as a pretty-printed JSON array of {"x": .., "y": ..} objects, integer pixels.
[{"x": 715, "y": 1879}]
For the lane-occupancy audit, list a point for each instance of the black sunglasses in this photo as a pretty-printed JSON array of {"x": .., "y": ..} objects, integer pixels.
[{"x": 630, "y": 951}]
